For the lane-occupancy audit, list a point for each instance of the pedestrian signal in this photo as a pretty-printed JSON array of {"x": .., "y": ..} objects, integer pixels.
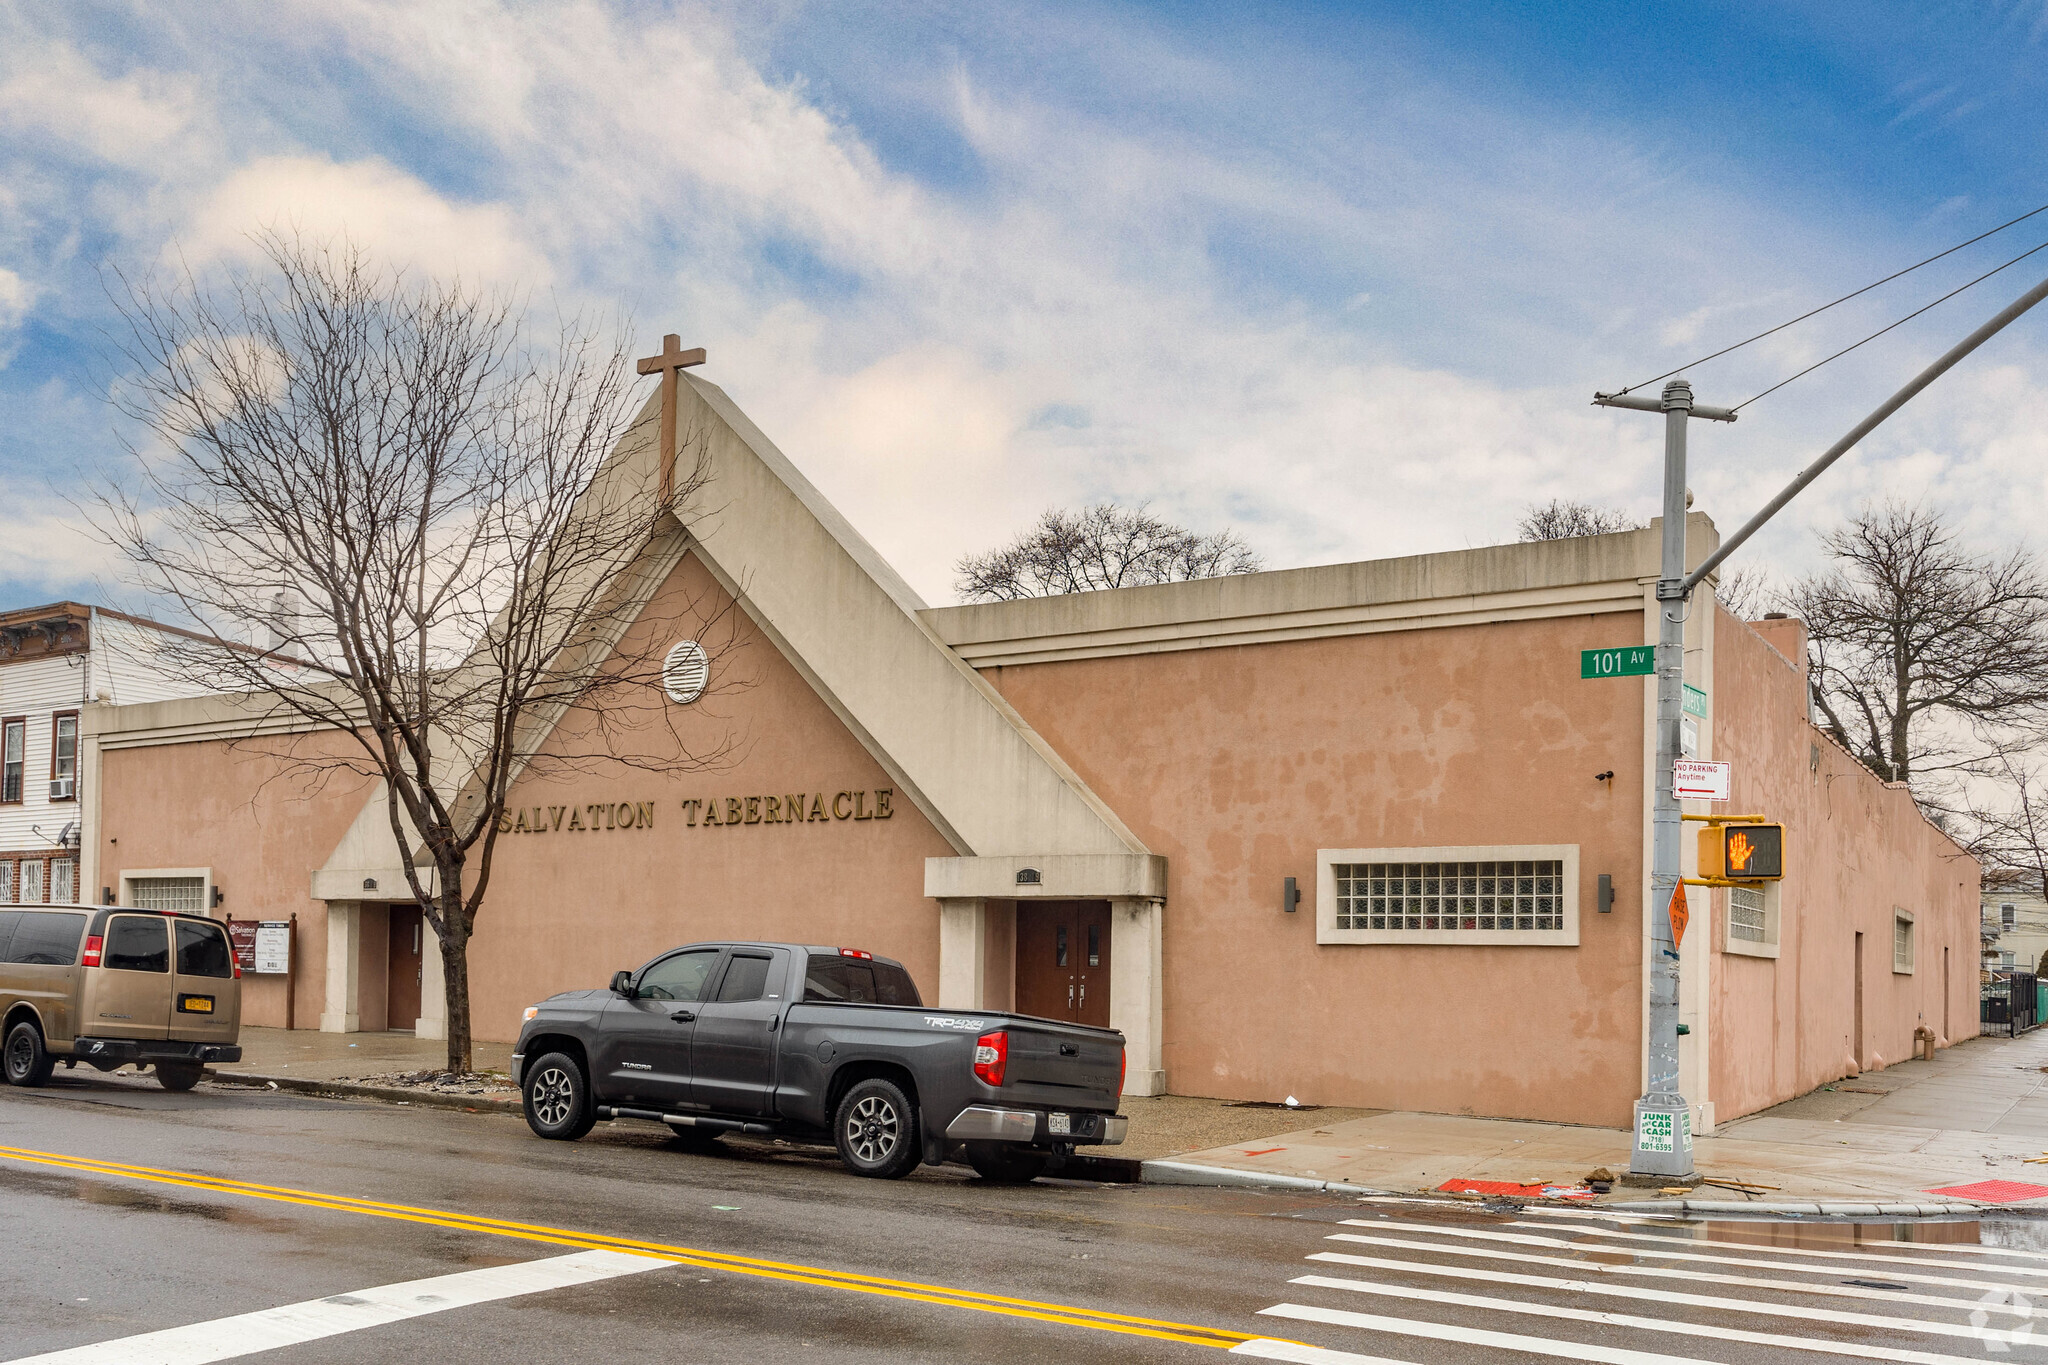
[{"x": 1743, "y": 853}]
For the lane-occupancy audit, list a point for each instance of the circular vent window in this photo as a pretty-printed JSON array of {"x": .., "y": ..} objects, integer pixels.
[{"x": 684, "y": 672}]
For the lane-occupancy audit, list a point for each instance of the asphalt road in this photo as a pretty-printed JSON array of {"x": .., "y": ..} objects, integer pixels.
[{"x": 625, "y": 1246}]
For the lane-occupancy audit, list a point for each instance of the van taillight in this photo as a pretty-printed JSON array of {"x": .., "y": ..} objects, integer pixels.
[
  {"x": 1123, "y": 1069},
  {"x": 991, "y": 1055},
  {"x": 92, "y": 951}
]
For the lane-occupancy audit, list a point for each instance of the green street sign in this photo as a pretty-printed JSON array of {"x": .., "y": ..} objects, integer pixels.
[
  {"x": 1629, "y": 661},
  {"x": 1695, "y": 701}
]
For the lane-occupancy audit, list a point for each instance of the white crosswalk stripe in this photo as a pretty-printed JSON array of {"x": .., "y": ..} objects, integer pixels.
[{"x": 1463, "y": 1280}]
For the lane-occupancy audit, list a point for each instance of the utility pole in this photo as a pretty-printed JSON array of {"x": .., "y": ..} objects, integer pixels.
[
  {"x": 1663, "y": 1137},
  {"x": 1663, "y": 1141}
]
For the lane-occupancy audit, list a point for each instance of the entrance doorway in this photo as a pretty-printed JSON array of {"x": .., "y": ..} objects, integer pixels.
[
  {"x": 1063, "y": 961},
  {"x": 402, "y": 994}
]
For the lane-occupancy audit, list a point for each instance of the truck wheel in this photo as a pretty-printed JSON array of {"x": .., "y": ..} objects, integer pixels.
[
  {"x": 557, "y": 1098},
  {"x": 28, "y": 1062},
  {"x": 178, "y": 1075},
  {"x": 875, "y": 1130},
  {"x": 1006, "y": 1163}
]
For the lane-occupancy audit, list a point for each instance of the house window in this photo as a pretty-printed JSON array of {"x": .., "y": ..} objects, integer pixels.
[
  {"x": 31, "y": 883},
  {"x": 2005, "y": 962},
  {"x": 6, "y": 883},
  {"x": 2008, "y": 916},
  {"x": 168, "y": 893},
  {"x": 13, "y": 743},
  {"x": 1504, "y": 894},
  {"x": 1902, "y": 941},
  {"x": 64, "y": 756},
  {"x": 63, "y": 881},
  {"x": 1752, "y": 921}
]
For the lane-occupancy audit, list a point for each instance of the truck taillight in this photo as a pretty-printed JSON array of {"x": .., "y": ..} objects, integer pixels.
[
  {"x": 91, "y": 956},
  {"x": 1123, "y": 1069},
  {"x": 855, "y": 952},
  {"x": 991, "y": 1055}
]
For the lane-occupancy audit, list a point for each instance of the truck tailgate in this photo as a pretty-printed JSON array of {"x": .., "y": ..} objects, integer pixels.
[{"x": 1064, "y": 1065}]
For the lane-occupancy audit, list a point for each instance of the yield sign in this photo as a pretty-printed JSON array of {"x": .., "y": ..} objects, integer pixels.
[{"x": 1679, "y": 915}]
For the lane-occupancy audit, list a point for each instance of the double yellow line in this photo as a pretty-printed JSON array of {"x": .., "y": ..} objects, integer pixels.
[{"x": 1063, "y": 1314}]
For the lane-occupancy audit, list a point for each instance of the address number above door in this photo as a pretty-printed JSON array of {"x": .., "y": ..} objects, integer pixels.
[{"x": 684, "y": 672}]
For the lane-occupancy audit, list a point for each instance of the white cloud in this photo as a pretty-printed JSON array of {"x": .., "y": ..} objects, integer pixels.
[{"x": 396, "y": 217}]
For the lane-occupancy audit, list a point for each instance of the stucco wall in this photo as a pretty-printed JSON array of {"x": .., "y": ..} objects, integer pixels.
[
  {"x": 1239, "y": 763},
  {"x": 238, "y": 809},
  {"x": 1855, "y": 848},
  {"x": 566, "y": 909}
]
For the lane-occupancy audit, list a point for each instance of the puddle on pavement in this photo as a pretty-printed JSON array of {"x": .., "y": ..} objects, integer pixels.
[{"x": 1821, "y": 1236}]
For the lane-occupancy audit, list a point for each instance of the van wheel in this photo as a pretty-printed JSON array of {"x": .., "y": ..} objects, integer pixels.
[
  {"x": 28, "y": 1062},
  {"x": 178, "y": 1076},
  {"x": 557, "y": 1098},
  {"x": 875, "y": 1130},
  {"x": 1005, "y": 1163}
]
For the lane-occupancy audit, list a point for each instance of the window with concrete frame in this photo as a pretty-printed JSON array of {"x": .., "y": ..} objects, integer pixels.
[
  {"x": 1902, "y": 941},
  {"x": 168, "y": 893},
  {"x": 1751, "y": 924},
  {"x": 1497, "y": 894}
]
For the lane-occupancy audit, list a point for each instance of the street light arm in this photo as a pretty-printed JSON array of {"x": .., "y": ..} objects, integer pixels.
[
  {"x": 1641, "y": 404},
  {"x": 1860, "y": 430}
]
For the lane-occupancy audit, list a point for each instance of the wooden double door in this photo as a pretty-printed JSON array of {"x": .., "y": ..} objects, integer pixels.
[{"x": 1063, "y": 960}]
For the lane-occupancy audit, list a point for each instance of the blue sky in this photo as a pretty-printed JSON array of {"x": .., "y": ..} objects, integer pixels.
[{"x": 1340, "y": 276}]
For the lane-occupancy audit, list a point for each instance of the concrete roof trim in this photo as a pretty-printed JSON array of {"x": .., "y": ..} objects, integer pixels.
[{"x": 1415, "y": 591}]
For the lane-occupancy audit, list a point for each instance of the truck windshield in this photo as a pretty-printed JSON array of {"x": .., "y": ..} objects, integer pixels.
[{"x": 848, "y": 980}]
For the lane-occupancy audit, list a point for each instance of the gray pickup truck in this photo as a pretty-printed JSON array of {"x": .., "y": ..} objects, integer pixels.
[{"x": 809, "y": 1042}]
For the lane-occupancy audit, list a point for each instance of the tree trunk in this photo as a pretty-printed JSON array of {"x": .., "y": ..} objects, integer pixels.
[{"x": 455, "y": 980}]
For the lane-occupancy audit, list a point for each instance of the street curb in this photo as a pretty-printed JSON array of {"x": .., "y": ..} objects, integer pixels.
[
  {"x": 1823, "y": 1208},
  {"x": 1191, "y": 1173},
  {"x": 390, "y": 1094}
]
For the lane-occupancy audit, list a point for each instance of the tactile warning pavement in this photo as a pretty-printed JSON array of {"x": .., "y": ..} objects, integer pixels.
[{"x": 1994, "y": 1191}]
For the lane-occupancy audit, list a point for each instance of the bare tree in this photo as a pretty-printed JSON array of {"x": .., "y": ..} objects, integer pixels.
[
  {"x": 1927, "y": 661},
  {"x": 417, "y": 513},
  {"x": 1747, "y": 592},
  {"x": 1562, "y": 519},
  {"x": 1103, "y": 546}
]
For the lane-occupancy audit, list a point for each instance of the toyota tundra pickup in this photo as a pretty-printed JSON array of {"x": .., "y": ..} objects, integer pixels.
[{"x": 807, "y": 1042}]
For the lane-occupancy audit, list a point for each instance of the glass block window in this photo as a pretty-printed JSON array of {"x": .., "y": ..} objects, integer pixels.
[
  {"x": 1519, "y": 894},
  {"x": 168, "y": 893},
  {"x": 1746, "y": 913}
]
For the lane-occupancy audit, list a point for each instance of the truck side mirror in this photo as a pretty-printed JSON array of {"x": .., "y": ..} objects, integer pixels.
[{"x": 622, "y": 984}]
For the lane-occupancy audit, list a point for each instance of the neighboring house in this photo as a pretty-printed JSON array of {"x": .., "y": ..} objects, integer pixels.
[
  {"x": 2015, "y": 929},
  {"x": 56, "y": 660}
]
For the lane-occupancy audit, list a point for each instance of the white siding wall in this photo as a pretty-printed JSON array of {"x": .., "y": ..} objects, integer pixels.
[
  {"x": 36, "y": 688},
  {"x": 124, "y": 666}
]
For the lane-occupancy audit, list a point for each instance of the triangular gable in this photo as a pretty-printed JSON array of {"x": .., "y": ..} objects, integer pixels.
[{"x": 849, "y": 624}]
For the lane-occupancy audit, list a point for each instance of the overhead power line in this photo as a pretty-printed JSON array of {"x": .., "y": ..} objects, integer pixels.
[
  {"x": 1882, "y": 330},
  {"x": 1845, "y": 298}
]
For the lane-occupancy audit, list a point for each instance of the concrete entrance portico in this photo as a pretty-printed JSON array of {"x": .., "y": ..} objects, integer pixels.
[
  {"x": 358, "y": 965},
  {"x": 978, "y": 900}
]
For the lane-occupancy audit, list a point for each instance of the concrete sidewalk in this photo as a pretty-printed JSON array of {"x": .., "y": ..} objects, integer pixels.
[{"x": 1887, "y": 1138}]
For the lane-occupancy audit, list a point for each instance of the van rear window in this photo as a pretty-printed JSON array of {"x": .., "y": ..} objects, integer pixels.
[
  {"x": 849, "y": 980},
  {"x": 46, "y": 938},
  {"x": 203, "y": 950}
]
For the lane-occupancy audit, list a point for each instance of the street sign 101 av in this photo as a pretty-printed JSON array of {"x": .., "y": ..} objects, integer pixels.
[{"x": 1629, "y": 661}]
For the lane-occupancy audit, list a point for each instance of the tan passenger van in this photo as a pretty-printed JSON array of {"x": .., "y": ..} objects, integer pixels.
[{"x": 108, "y": 986}]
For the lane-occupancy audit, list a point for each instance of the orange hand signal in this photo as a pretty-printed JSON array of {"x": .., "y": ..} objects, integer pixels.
[{"x": 1739, "y": 851}]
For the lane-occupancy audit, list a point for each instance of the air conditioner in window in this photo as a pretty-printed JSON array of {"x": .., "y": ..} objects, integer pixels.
[{"x": 61, "y": 788}]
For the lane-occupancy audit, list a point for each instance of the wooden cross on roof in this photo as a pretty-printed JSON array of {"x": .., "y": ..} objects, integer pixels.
[{"x": 670, "y": 364}]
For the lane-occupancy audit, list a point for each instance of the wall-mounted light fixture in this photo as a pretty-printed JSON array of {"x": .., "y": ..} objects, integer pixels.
[
  {"x": 1605, "y": 895},
  {"x": 369, "y": 883},
  {"x": 1290, "y": 896},
  {"x": 218, "y": 897},
  {"x": 1607, "y": 776},
  {"x": 1027, "y": 876}
]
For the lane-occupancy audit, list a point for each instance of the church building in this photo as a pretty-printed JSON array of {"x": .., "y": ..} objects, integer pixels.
[{"x": 1357, "y": 833}]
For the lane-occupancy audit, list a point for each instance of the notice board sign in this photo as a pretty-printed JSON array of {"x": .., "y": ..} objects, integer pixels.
[
  {"x": 242, "y": 937},
  {"x": 1695, "y": 780},
  {"x": 273, "y": 955}
]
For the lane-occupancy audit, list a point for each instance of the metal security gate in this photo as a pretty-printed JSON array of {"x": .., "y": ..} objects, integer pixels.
[{"x": 2010, "y": 1003}]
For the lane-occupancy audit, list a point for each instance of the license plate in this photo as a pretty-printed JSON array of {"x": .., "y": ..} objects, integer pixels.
[
  {"x": 196, "y": 1004},
  {"x": 1059, "y": 1123}
]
